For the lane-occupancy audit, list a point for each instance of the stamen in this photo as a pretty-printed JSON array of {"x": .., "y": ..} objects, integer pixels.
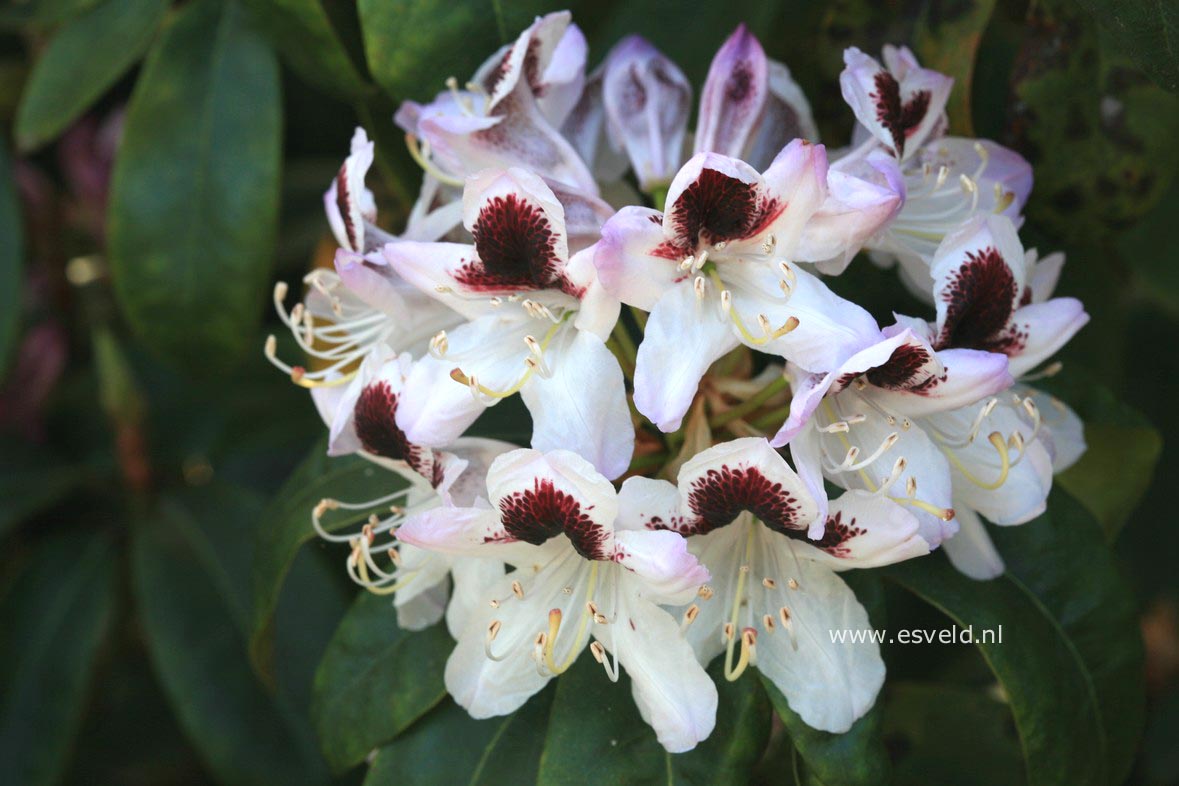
[
  {"x": 690, "y": 615},
  {"x": 439, "y": 344},
  {"x": 698, "y": 286},
  {"x": 492, "y": 632},
  {"x": 769, "y": 583},
  {"x": 517, "y": 590},
  {"x": 422, "y": 157},
  {"x": 767, "y": 622}
]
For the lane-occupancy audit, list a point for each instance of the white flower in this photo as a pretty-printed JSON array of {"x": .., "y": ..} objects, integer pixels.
[
  {"x": 580, "y": 573},
  {"x": 536, "y": 323},
  {"x": 715, "y": 271},
  {"x": 509, "y": 113},
  {"x": 944, "y": 181},
  {"x": 774, "y": 589},
  {"x": 881, "y": 409}
]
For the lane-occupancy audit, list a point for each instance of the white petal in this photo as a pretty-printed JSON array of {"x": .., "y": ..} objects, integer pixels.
[
  {"x": 664, "y": 570},
  {"x": 830, "y": 684},
  {"x": 672, "y": 691},
  {"x": 581, "y": 405},
  {"x": 683, "y": 338},
  {"x": 971, "y": 550}
]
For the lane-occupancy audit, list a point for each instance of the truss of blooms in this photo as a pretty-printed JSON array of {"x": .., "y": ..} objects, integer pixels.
[{"x": 658, "y": 298}]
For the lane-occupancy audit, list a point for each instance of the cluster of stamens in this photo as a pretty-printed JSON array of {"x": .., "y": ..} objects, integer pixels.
[
  {"x": 361, "y": 563},
  {"x": 707, "y": 273},
  {"x": 338, "y": 344}
]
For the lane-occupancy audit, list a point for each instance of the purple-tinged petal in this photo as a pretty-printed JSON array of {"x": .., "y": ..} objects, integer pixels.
[
  {"x": 631, "y": 259},
  {"x": 647, "y": 100},
  {"x": 733, "y": 96},
  {"x": 785, "y": 116}
]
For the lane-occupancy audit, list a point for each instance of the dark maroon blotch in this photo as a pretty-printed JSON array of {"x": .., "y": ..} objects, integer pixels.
[
  {"x": 899, "y": 118},
  {"x": 716, "y": 207},
  {"x": 544, "y": 511},
  {"x": 723, "y": 494},
  {"x": 981, "y": 300}
]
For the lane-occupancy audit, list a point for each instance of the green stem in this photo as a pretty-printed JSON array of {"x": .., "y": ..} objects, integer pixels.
[
  {"x": 626, "y": 344},
  {"x": 648, "y": 461},
  {"x": 772, "y": 419},
  {"x": 751, "y": 404}
]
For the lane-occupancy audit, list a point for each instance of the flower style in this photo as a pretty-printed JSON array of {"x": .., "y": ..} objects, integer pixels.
[
  {"x": 579, "y": 573},
  {"x": 361, "y": 305},
  {"x": 509, "y": 113},
  {"x": 536, "y": 324},
  {"x": 715, "y": 271},
  {"x": 773, "y": 558}
]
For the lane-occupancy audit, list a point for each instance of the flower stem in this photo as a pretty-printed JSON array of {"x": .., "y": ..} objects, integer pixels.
[{"x": 751, "y": 404}]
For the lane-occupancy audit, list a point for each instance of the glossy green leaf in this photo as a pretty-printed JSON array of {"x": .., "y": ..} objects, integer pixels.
[
  {"x": 1121, "y": 443},
  {"x": 493, "y": 751},
  {"x": 194, "y": 202},
  {"x": 1069, "y": 658},
  {"x": 855, "y": 758},
  {"x": 191, "y": 580},
  {"x": 83, "y": 59},
  {"x": 947, "y": 39},
  {"x": 1093, "y": 605},
  {"x": 937, "y": 728},
  {"x": 54, "y": 617},
  {"x": 596, "y": 734},
  {"x": 1148, "y": 31},
  {"x": 11, "y": 262},
  {"x": 375, "y": 680},
  {"x": 286, "y": 525},
  {"x": 303, "y": 32}
]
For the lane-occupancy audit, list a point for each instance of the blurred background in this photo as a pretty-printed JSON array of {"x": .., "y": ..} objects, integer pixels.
[{"x": 163, "y": 164}]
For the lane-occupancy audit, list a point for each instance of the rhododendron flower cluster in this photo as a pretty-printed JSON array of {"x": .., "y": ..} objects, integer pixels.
[{"x": 715, "y": 434}]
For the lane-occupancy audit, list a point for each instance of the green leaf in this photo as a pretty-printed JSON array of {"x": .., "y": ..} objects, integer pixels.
[
  {"x": 853, "y": 758},
  {"x": 1148, "y": 31},
  {"x": 946, "y": 733},
  {"x": 83, "y": 59},
  {"x": 286, "y": 525},
  {"x": 412, "y": 46},
  {"x": 54, "y": 617},
  {"x": 194, "y": 201},
  {"x": 11, "y": 256},
  {"x": 1069, "y": 658},
  {"x": 1121, "y": 443},
  {"x": 190, "y": 577},
  {"x": 596, "y": 734},
  {"x": 375, "y": 680},
  {"x": 1099, "y": 134},
  {"x": 31, "y": 478},
  {"x": 492, "y": 752},
  {"x": 39, "y": 14},
  {"x": 303, "y": 32},
  {"x": 947, "y": 39}
]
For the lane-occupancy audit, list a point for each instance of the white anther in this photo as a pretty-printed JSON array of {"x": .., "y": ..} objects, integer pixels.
[{"x": 698, "y": 286}]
